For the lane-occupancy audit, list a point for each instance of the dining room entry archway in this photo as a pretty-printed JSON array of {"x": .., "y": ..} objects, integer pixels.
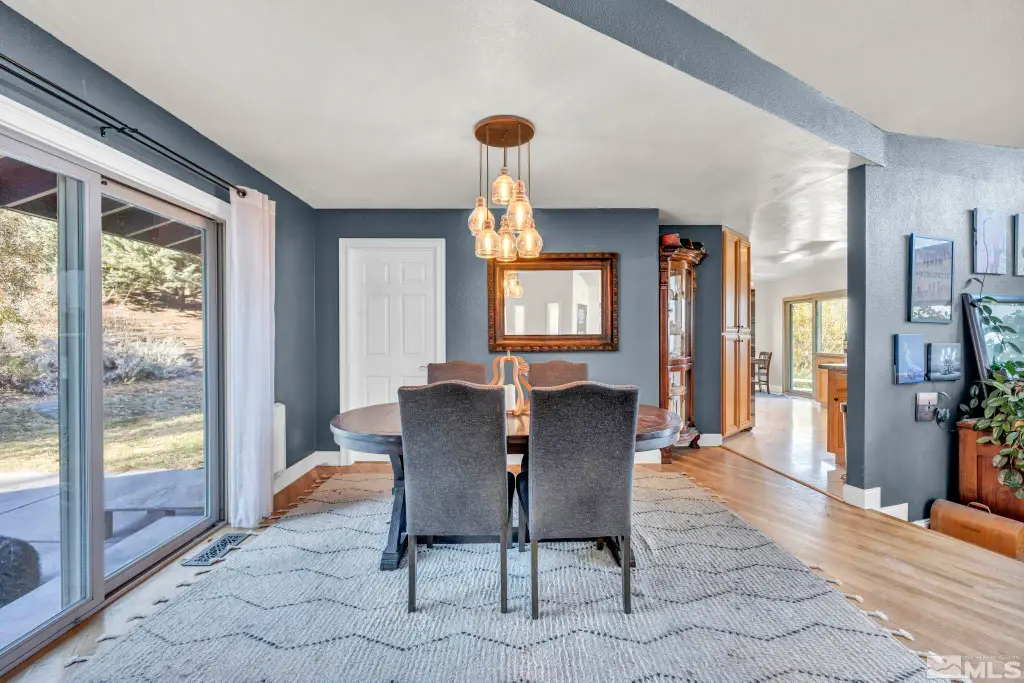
[{"x": 391, "y": 319}]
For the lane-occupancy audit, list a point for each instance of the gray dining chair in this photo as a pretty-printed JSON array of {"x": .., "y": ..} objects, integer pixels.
[
  {"x": 580, "y": 482},
  {"x": 456, "y": 476},
  {"x": 550, "y": 373},
  {"x": 553, "y": 373},
  {"x": 456, "y": 369}
]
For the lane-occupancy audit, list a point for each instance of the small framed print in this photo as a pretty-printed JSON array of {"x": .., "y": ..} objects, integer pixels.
[
  {"x": 908, "y": 358},
  {"x": 945, "y": 361},
  {"x": 931, "y": 280},
  {"x": 990, "y": 248}
]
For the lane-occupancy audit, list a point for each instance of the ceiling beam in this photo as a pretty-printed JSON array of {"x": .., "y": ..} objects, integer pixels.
[{"x": 666, "y": 33}]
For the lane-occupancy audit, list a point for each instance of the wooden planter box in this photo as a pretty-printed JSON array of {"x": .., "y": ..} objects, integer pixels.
[{"x": 978, "y": 483}]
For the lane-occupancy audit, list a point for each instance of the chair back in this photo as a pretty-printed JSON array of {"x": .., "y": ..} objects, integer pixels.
[
  {"x": 454, "y": 447},
  {"x": 582, "y": 441},
  {"x": 556, "y": 372},
  {"x": 457, "y": 369}
]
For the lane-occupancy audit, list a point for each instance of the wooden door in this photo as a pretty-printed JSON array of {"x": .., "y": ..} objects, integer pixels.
[
  {"x": 744, "y": 406},
  {"x": 743, "y": 285},
  {"x": 730, "y": 424},
  {"x": 729, "y": 242}
]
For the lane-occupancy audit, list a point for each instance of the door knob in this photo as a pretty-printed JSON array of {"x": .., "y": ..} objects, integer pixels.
[{"x": 423, "y": 367}]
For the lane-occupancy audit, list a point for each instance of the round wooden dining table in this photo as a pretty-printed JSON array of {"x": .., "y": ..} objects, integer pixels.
[{"x": 378, "y": 429}]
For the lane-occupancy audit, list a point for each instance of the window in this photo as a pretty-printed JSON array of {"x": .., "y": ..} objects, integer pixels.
[{"x": 815, "y": 326}]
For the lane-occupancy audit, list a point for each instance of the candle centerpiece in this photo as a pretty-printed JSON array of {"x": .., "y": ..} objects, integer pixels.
[{"x": 515, "y": 401}]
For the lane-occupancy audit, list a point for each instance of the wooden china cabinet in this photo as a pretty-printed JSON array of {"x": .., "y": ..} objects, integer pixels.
[{"x": 677, "y": 286}]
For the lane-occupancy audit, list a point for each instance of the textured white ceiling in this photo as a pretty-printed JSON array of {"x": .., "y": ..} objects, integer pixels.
[
  {"x": 363, "y": 104},
  {"x": 938, "y": 68}
]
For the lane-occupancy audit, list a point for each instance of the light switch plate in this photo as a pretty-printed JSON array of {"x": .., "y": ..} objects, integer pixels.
[{"x": 927, "y": 403}]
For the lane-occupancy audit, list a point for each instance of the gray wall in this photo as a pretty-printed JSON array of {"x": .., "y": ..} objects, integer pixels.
[
  {"x": 707, "y": 327},
  {"x": 295, "y": 376},
  {"x": 929, "y": 187},
  {"x": 632, "y": 233}
]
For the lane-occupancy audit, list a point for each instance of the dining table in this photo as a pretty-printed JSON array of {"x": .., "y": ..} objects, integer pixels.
[{"x": 378, "y": 429}]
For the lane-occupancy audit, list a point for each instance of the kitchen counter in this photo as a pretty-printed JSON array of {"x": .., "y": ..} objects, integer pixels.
[{"x": 838, "y": 367}]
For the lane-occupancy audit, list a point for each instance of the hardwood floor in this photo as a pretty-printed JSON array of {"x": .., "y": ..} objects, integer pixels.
[
  {"x": 790, "y": 436},
  {"x": 954, "y": 598}
]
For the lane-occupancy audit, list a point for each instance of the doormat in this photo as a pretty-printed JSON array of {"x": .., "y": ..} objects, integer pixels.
[{"x": 216, "y": 551}]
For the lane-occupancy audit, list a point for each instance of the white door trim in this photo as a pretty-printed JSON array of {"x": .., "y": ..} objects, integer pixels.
[{"x": 396, "y": 244}]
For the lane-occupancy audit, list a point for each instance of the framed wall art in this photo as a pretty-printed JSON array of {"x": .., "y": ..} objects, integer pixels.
[
  {"x": 990, "y": 248},
  {"x": 931, "y": 280}
]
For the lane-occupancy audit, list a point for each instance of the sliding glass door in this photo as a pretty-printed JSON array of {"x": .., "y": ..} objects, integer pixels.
[
  {"x": 44, "y": 397},
  {"x": 160, "y": 439},
  {"x": 815, "y": 327},
  {"x": 110, "y": 437}
]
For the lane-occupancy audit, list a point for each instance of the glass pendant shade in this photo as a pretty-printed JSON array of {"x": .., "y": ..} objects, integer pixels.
[
  {"x": 517, "y": 290},
  {"x": 480, "y": 217},
  {"x": 502, "y": 188},
  {"x": 506, "y": 242},
  {"x": 487, "y": 242},
  {"x": 530, "y": 242},
  {"x": 519, "y": 209}
]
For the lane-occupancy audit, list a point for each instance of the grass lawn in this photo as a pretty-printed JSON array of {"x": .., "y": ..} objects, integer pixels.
[{"x": 147, "y": 425}]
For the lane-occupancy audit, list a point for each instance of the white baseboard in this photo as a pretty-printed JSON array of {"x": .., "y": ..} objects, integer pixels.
[
  {"x": 356, "y": 456},
  {"x": 926, "y": 522},
  {"x": 647, "y": 458},
  {"x": 869, "y": 499},
  {"x": 314, "y": 459},
  {"x": 899, "y": 511},
  {"x": 710, "y": 439}
]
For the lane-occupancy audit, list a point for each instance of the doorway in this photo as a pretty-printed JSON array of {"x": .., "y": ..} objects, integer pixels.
[{"x": 392, "y": 318}]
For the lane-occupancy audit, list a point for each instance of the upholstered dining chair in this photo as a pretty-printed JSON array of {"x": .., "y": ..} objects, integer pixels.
[
  {"x": 555, "y": 372},
  {"x": 456, "y": 477},
  {"x": 550, "y": 373},
  {"x": 456, "y": 369},
  {"x": 580, "y": 481}
]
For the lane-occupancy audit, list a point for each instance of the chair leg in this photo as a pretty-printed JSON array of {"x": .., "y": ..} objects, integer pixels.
[
  {"x": 412, "y": 573},
  {"x": 600, "y": 542},
  {"x": 534, "y": 602},
  {"x": 430, "y": 541},
  {"x": 503, "y": 548},
  {"x": 627, "y": 603},
  {"x": 522, "y": 528}
]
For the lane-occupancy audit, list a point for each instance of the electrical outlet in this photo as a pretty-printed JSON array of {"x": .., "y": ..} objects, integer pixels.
[{"x": 927, "y": 403}]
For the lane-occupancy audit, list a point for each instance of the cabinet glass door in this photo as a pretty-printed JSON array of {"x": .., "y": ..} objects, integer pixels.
[{"x": 678, "y": 296}]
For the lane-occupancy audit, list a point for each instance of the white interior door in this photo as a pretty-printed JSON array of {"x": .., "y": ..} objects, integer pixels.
[{"x": 392, "y": 317}]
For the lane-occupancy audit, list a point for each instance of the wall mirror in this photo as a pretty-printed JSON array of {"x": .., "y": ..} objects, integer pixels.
[{"x": 556, "y": 302}]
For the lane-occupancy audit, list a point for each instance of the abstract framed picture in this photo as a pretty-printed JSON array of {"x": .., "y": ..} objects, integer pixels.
[
  {"x": 990, "y": 248},
  {"x": 908, "y": 358},
  {"x": 944, "y": 361},
  {"x": 1018, "y": 244},
  {"x": 931, "y": 280}
]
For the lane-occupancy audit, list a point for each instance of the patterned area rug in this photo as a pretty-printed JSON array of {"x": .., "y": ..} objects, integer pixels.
[{"x": 714, "y": 600}]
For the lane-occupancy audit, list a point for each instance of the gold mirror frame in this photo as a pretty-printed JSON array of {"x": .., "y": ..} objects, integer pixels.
[{"x": 608, "y": 340}]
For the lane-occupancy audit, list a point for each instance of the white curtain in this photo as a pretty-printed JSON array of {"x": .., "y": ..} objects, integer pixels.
[{"x": 249, "y": 308}]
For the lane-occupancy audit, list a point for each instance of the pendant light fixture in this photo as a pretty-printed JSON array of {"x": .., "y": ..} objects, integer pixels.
[
  {"x": 513, "y": 288},
  {"x": 518, "y": 236},
  {"x": 481, "y": 216},
  {"x": 507, "y": 248},
  {"x": 529, "y": 243},
  {"x": 501, "y": 189}
]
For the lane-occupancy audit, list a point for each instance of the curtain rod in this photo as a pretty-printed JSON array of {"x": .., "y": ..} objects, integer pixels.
[{"x": 109, "y": 121}]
